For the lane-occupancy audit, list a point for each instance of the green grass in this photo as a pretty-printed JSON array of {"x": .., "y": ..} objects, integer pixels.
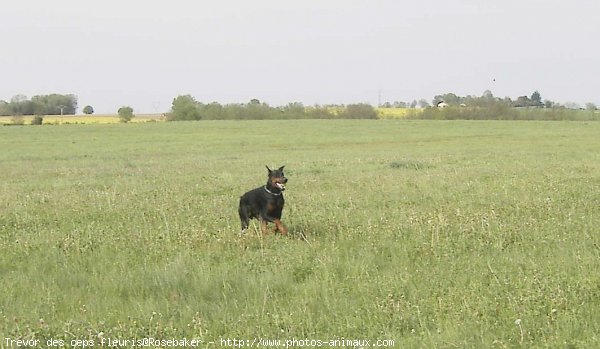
[{"x": 447, "y": 234}]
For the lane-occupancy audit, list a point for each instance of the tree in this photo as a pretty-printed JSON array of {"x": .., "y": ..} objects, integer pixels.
[
  {"x": 448, "y": 98},
  {"x": 487, "y": 99},
  {"x": 18, "y": 99},
  {"x": 56, "y": 104},
  {"x": 53, "y": 104},
  {"x": 88, "y": 110},
  {"x": 19, "y": 105},
  {"x": 536, "y": 100},
  {"x": 4, "y": 108},
  {"x": 294, "y": 110},
  {"x": 184, "y": 108},
  {"x": 572, "y": 105},
  {"x": 125, "y": 114},
  {"x": 591, "y": 106},
  {"x": 488, "y": 95},
  {"x": 257, "y": 110},
  {"x": 522, "y": 101},
  {"x": 213, "y": 111},
  {"x": 359, "y": 111}
]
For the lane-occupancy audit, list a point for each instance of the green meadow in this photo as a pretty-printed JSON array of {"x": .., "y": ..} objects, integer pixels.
[{"x": 409, "y": 234}]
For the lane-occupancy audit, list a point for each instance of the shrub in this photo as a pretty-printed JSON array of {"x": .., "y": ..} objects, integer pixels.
[
  {"x": 125, "y": 114},
  {"x": 37, "y": 120},
  {"x": 359, "y": 111},
  {"x": 88, "y": 110}
]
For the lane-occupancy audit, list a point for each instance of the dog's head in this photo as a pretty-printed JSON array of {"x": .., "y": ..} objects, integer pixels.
[{"x": 277, "y": 178}]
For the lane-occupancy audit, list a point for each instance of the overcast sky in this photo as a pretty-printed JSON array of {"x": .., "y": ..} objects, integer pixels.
[{"x": 144, "y": 53}]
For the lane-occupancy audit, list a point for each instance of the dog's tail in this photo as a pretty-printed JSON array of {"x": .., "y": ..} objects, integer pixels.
[{"x": 244, "y": 214}]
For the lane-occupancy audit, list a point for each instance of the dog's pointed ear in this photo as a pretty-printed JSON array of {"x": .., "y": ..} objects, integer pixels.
[
  {"x": 281, "y": 168},
  {"x": 268, "y": 168}
]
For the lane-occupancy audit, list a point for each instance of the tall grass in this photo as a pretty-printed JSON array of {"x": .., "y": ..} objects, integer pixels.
[{"x": 432, "y": 234}]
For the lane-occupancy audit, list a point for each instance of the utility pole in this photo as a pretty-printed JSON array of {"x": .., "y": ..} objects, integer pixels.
[{"x": 62, "y": 108}]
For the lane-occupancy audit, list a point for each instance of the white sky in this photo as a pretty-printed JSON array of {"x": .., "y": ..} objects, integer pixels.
[{"x": 144, "y": 53}]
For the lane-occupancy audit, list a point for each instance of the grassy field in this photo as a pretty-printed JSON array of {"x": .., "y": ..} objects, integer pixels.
[{"x": 430, "y": 234}]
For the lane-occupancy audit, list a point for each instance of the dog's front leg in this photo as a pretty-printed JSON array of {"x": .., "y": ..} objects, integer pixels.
[{"x": 279, "y": 226}]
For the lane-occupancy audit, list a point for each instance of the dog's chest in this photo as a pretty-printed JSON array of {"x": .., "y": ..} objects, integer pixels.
[{"x": 274, "y": 203}]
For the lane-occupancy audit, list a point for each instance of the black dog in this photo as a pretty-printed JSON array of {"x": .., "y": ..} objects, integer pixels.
[{"x": 265, "y": 203}]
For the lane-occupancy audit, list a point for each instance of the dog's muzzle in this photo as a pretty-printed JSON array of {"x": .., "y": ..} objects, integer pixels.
[{"x": 281, "y": 185}]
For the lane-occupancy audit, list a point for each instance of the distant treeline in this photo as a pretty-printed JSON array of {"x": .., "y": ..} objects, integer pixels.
[
  {"x": 488, "y": 107},
  {"x": 53, "y": 104},
  {"x": 445, "y": 107},
  {"x": 500, "y": 112},
  {"x": 187, "y": 108}
]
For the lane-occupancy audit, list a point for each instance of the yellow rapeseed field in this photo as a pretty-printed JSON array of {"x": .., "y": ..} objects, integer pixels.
[
  {"x": 83, "y": 119},
  {"x": 395, "y": 113},
  {"x": 382, "y": 113}
]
